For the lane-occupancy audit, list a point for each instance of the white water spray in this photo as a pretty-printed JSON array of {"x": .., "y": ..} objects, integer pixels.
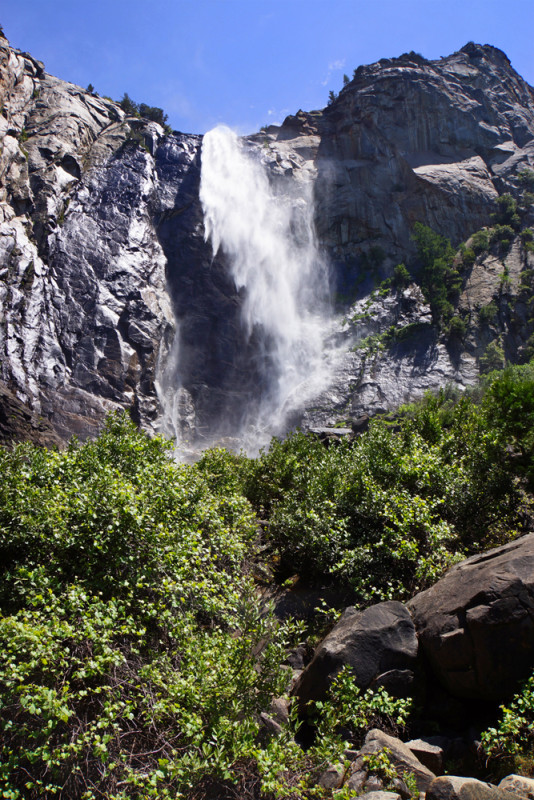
[{"x": 268, "y": 239}]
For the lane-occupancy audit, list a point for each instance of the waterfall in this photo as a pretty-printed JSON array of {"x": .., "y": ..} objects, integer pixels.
[{"x": 264, "y": 228}]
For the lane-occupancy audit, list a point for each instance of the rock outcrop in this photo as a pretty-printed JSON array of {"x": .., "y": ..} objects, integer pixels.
[
  {"x": 379, "y": 645},
  {"x": 111, "y": 298},
  {"x": 476, "y": 624}
]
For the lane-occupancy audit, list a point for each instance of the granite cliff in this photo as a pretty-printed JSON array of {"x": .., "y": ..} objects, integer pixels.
[{"x": 111, "y": 296}]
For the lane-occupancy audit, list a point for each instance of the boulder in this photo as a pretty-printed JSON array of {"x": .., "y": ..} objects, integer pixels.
[
  {"x": 374, "y": 642},
  {"x": 519, "y": 785},
  {"x": 431, "y": 755},
  {"x": 356, "y": 780},
  {"x": 400, "y": 755},
  {"x": 332, "y": 777},
  {"x": 476, "y": 625},
  {"x": 452, "y": 787}
]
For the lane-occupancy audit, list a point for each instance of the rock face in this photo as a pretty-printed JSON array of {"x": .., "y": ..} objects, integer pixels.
[
  {"x": 476, "y": 625},
  {"x": 378, "y": 644},
  {"x": 470, "y": 124},
  {"x": 111, "y": 298}
]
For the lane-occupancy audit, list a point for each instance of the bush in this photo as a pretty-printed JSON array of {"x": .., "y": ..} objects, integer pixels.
[
  {"x": 502, "y": 235},
  {"x": 385, "y": 516},
  {"x": 487, "y": 313},
  {"x": 493, "y": 357},
  {"x": 440, "y": 281},
  {"x": 401, "y": 276},
  {"x": 133, "y": 109},
  {"x": 123, "y": 584},
  {"x": 457, "y": 327},
  {"x": 468, "y": 257},
  {"x": 507, "y": 212},
  {"x": 128, "y": 105},
  {"x": 509, "y": 404},
  {"x": 480, "y": 241},
  {"x": 513, "y": 736},
  {"x": 526, "y": 178},
  {"x": 153, "y": 113}
]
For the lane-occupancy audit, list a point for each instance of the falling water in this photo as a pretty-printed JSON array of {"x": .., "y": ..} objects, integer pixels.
[{"x": 265, "y": 231}]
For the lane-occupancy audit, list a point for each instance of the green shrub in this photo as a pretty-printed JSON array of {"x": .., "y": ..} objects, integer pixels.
[
  {"x": 509, "y": 404},
  {"x": 401, "y": 276},
  {"x": 153, "y": 113},
  {"x": 526, "y": 178},
  {"x": 457, "y": 327},
  {"x": 493, "y": 357},
  {"x": 129, "y": 106},
  {"x": 480, "y": 241},
  {"x": 502, "y": 235},
  {"x": 440, "y": 280},
  {"x": 123, "y": 585},
  {"x": 386, "y": 515},
  {"x": 487, "y": 313},
  {"x": 468, "y": 257},
  {"x": 506, "y": 212},
  {"x": 514, "y": 734}
]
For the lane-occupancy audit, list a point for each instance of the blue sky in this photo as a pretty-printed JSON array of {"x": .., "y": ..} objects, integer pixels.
[{"x": 249, "y": 63}]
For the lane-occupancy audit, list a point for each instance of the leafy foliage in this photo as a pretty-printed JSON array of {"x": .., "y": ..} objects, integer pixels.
[
  {"x": 123, "y": 587},
  {"x": 526, "y": 178},
  {"x": 134, "y": 109},
  {"x": 493, "y": 357},
  {"x": 513, "y": 735},
  {"x": 440, "y": 280},
  {"x": 386, "y": 515},
  {"x": 506, "y": 212},
  {"x": 401, "y": 276},
  {"x": 480, "y": 241},
  {"x": 135, "y": 656}
]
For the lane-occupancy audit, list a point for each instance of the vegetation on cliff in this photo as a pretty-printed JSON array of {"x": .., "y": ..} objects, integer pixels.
[{"x": 135, "y": 651}]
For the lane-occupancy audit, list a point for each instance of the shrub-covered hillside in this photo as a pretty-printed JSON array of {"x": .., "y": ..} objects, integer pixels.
[{"x": 136, "y": 653}]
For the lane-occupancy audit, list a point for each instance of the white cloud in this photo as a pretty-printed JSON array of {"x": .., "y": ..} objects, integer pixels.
[{"x": 334, "y": 66}]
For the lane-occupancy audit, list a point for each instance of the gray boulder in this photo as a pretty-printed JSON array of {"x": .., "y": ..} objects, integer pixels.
[
  {"x": 378, "y": 641},
  {"x": 452, "y": 787},
  {"x": 476, "y": 625},
  {"x": 519, "y": 785},
  {"x": 400, "y": 756},
  {"x": 431, "y": 755}
]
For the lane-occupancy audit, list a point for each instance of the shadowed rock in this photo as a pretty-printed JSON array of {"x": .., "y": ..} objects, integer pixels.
[
  {"x": 476, "y": 625},
  {"x": 374, "y": 643}
]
